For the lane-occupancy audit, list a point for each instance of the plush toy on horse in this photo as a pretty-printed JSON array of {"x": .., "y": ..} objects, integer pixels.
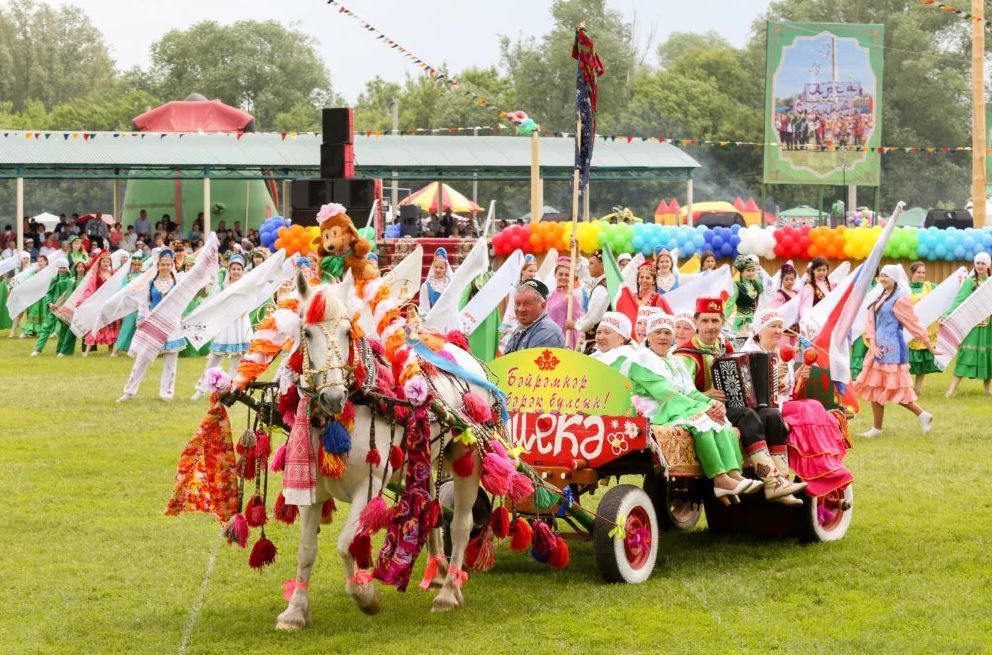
[{"x": 340, "y": 247}]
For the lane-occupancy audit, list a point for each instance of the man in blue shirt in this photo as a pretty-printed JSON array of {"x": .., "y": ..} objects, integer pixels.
[{"x": 536, "y": 329}]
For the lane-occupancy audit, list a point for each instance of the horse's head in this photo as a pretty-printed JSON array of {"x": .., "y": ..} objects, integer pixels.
[{"x": 326, "y": 342}]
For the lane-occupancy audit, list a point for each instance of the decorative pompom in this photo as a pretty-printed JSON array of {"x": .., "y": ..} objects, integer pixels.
[
  {"x": 520, "y": 535},
  {"x": 464, "y": 465},
  {"x": 331, "y": 465},
  {"x": 263, "y": 446},
  {"x": 543, "y": 542},
  {"x": 500, "y": 522},
  {"x": 285, "y": 513},
  {"x": 376, "y": 347},
  {"x": 289, "y": 401},
  {"x": 521, "y": 487},
  {"x": 810, "y": 356},
  {"x": 327, "y": 511},
  {"x": 373, "y": 458},
  {"x": 477, "y": 409},
  {"x": 279, "y": 461},
  {"x": 432, "y": 515},
  {"x": 559, "y": 555},
  {"x": 359, "y": 374},
  {"x": 361, "y": 550},
  {"x": 544, "y": 498},
  {"x": 216, "y": 380},
  {"x": 336, "y": 439},
  {"x": 395, "y": 457},
  {"x": 375, "y": 516},
  {"x": 255, "y": 512},
  {"x": 263, "y": 553},
  {"x": 347, "y": 415},
  {"x": 236, "y": 530},
  {"x": 457, "y": 338},
  {"x": 295, "y": 362},
  {"x": 497, "y": 473},
  {"x": 416, "y": 390},
  {"x": 246, "y": 441},
  {"x": 480, "y": 554},
  {"x": 496, "y": 446},
  {"x": 317, "y": 309},
  {"x": 330, "y": 210},
  {"x": 287, "y": 322}
]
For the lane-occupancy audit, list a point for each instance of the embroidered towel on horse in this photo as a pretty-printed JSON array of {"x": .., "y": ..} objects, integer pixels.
[{"x": 299, "y": 483}]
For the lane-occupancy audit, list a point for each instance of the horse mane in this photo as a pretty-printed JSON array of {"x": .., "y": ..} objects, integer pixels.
[{"x": 324, "y": 305}]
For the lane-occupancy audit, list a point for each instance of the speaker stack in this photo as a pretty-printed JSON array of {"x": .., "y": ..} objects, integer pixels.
[{"x": 337, "y": 181}]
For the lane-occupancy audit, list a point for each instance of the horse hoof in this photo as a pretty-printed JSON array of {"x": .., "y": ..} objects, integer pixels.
[
  {"x": 289, "y": 626},
  {"x": 444, "y": 604},
  {"x": 368, "y": 600},
  {"x": 372, "y": 608},
  {"x": 437, "y": 583}
]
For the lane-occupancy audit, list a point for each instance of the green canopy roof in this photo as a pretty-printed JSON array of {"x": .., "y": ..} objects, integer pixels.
[
  {"x": 253, "y": 155},
  {"x": 802, "y": 211}
]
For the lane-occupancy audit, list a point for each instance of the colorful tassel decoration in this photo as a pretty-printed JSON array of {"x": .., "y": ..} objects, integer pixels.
[
  {"x": 236, "y": 530},
  {"x": 480, "y": 554},
  {"x": 284, "y": 513},
  {"x": 263, "y": 446},
  {"x": 373, "y": 458},
  {"x": 296, "y": 361},
  {"x": 336, "y": 439},
  {"x": 361, "y": 550},
  {"x": 431, "y": 570},
  {"x": 432, "y": 515},
  {"x": 521, "y": 487},
  {"x": 559, "y": 555},
  {"x": 317, "y": 309},
  {"x": 395, "y": 457},
  {"x": 255, "y": 512},
  {"x": 376, "y": 347},
  {"x": 457, "y": 338},
  {"x": 331, "y": 466},
  {"x": 359, "y": 373},
  {"x": 464, "y": 465},
  {"x": 347, "y": 415},
  {"x": 500, "y": 522},
  {"x": 497, "y": 473},
  {"x": 496, "y": 446},
  {"x": 327, "y": 511},
  {"x": 477, "y": 409},
  {"x": 288, "y": 401},
  {"x": 521, "y": 535},
  {"x": 545, "y": 498},
  {"x": 279, "y": 460},
  {"x": 375, "y": 516},
  {"x": 262, "y": 554},
  {"x": 543, "y": 542}
]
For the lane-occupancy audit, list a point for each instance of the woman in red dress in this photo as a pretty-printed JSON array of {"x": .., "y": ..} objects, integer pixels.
[{"x": 647, "y": 292}]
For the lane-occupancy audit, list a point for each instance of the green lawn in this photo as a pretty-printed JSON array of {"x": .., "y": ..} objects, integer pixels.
[{"x": 89, "y": 564}]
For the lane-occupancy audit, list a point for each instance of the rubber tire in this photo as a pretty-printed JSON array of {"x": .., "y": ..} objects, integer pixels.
[
  {"x": 482, "y": 510},
  {"x": 814, "y": 532},
  {"x": 609, "y": 553},
  {"x": 659, "y": 488}
]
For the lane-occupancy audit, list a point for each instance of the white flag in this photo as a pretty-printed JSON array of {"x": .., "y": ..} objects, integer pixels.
[
  {"x": 444, "y": 315},
  {"x": 492, "y": 293},
  {"x": 715, "y": 284}
]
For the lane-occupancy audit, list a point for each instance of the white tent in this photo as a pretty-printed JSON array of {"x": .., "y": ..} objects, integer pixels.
[{"x": 46, "y": 219}]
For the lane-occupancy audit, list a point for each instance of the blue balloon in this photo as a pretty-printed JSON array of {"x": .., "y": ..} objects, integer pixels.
[
  {"x": 959, "y": 252},
  {"x": 727, "y": 250},
  {"x": 735, "y": 228},
  {"x": 716, "y": 241}
]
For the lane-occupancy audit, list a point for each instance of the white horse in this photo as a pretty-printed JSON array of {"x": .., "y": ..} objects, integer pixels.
[{"x": 327, "y": 345}]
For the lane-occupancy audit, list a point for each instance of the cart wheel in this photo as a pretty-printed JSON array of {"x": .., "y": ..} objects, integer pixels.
[
  {"x": 481, "y": 511},
  {"x": 677, "y": 508},
  {"x": 630, "y": 559},
  {"x": 828, "y": 518}
]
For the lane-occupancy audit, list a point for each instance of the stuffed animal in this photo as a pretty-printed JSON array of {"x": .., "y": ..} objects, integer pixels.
[{"x": 340, "y": 247}]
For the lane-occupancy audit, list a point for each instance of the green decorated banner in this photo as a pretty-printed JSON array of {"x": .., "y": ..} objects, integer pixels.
[{"x": 823, "y": 104}]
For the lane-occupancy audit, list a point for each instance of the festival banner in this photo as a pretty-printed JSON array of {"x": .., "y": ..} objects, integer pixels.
[{"x": 823, "y": 104}]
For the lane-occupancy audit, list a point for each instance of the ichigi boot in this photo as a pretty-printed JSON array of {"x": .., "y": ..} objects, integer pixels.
[
  {"x": 777, "y": 488},
  {"x": 781, "y": 459}
]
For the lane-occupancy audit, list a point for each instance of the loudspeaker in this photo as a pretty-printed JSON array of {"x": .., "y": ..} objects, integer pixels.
[
  {"x": 359, "y": 192},
  {"x": 942, "y": 218},
  {"x": 409, "y": 212},
  {"x": 310, "y": 194},
  {"x": 304, "y": 217},
  {"x": 409, "y": 220},
  {"x": 338, "y": 124},
  {"x": 337, "y": 160}
]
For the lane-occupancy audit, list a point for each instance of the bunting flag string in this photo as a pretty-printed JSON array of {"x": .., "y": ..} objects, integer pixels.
[{"x": 960, "y": 13}]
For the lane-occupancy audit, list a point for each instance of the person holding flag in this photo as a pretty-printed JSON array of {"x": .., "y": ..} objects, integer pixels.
[
  {"x": 921, "y": 360},
  {"x": 599, "y": 303},
  {"x": 885, "y": 375},
  {"x": 558, "y": 302},
  {"x": 975, "y": 351}
]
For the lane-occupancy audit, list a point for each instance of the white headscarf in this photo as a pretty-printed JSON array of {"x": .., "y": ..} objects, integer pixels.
[
  {"x": 617, "y": 322},
  {"x": 764, "y": 318},
  {"x": 647, "y": 311},
  {"x": 661, "y": 321},
  {"x": 897, "y": 273},
  {"x": 983, "y": 257}
]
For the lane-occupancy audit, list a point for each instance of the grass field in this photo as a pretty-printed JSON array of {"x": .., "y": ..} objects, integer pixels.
[{"x": 89, "y": 564}]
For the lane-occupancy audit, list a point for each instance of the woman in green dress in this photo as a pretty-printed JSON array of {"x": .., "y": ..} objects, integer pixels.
[
  {"x": 921, "y": 360},
  {"x": 35, "y": 315},
  {"x": 130, "y": 322},
  {"x": 746, "y": 292},
  {"x": 59, "y": 289},
  {"x": 16, "y": 276},
  {"x": 975, "y": 352},
  {"x": 76, "y": 253},
  {"x": 664, "y": 392}
]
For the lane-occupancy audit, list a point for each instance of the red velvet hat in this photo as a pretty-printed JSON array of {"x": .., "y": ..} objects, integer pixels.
[{"x": 709, "y": 305}]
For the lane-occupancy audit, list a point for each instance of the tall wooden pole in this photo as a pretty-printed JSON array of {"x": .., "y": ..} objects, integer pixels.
[
  {"x": 19, "y": 214},
  {"x": 574, "y": 242},
  {"x": 536, "y": 203},
  {"x": 979, "y": 133}
]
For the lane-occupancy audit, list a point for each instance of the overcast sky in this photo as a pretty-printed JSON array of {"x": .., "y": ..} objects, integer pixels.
[{"x": 459, "y": 33}]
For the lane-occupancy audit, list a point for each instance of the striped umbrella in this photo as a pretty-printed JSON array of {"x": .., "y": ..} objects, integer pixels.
[{"x": 426, "y": 199}]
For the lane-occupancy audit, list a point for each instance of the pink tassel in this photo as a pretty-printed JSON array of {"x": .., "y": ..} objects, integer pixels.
[
  {"x": 262, "y": 554},
  {"x": 376, "y": 347},
  {"x": 497, "y": 474},
  {"x": 375, "y": 516},
  {"x": 521, "y": 487},
  {"x": 290, "y": 586},
  {"x": 431, "y": 571},
  {"x": 477, "y": 409},
  {"x": 279, "y": 461},
  {"x": 236, "y": 530},
  {"x": 543, "y": 543},
  {"x": 464, "y": 465},
  {"x": 496, "y": 446}
]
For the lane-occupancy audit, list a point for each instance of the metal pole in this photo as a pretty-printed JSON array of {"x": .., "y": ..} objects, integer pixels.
[
  {"x": 535, "y": 179},
  {"x": 978, "y": 127},
  {"x": 287, "y": 205},
  {"x": 819, "y": 206},
  {"x": 475, "y": 187},
  {"x": 395, "y": 196},
  {"x": 19, "y": 218},
  {"x": 206, "y": 205},
  {"x": 117, "y": 201},
  {"x": 688, "y": 203}
]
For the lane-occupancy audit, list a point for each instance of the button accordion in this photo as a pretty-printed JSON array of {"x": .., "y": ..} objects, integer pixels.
[{"x": 747, "y": 379}]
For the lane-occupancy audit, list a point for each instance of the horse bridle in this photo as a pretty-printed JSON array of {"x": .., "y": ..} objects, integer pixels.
[{"x": 333, "y": 361}]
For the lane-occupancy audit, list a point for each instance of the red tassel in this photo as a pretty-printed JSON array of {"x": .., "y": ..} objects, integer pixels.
[
  {"x": 361, "y": 550},
  {"x": 543, "y": 542},
  {"x": 327, "y": 511},
  {"x": 431, "y": 570},
  {"x": 245, "y": 465},
  {"x": 497, "y": 474},
  {"x": 255, "y": 512},
  {"x": 395, "y": 457},
  {"x": 477, "y": 409},
  {"x": 317, "y": 309},
  {"x": 347, "y": 416},
  {"x": 480, "y": 554},
  {"x": 375, "y": 516},
  {"x": 376, "y": 347},
  {"x": 263, "y": 553},
  {"x": 384, "y": 377},
  {"x": 373, "y": 458},
  {"x": 331, "y": 466},
  {"x": 500, "y": 522},
  {"x": 284, "y": 513},
  {"x": 432, "y": 516},
  {"x": 521, "y": 487},
  {"x": 296, "y": 364},
  {"x": 279, "y": 461},
  {"x": 263, "y": 446},
  {"x": 236, "y": 530},
  {"x": 428, "y": 369},
  {"x": 520, "y": 536},
  {"x": 359, "y": 374},
  {"x": 464, "y": 465},
  {"x": 559, "y": 556},
  {"x": 458, "y": 338}
]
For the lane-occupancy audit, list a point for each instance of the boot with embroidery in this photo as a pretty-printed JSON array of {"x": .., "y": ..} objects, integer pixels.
[
  {"x": 777, "y": 488},
  {"x": 781, "y": 460}
]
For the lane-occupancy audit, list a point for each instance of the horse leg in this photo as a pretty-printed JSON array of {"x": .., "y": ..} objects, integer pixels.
[
  {"x": 435, "y": 548},
  {"x": 297, "y": 614},
  {"x": 364, "y": 593},
  {"x": 466, "y": 490}
]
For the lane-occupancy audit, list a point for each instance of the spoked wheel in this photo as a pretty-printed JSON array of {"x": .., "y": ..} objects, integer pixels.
[
  {"x": 677, "y": 507},
  {"x": 829, "y": 517},
  {"x": 631, "y": 558},
  {"x": 481, "y": 511}
]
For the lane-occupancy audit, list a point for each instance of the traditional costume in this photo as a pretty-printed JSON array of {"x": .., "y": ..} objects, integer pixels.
[
  {"x": 975, "y": 353},
  {"x": 129, "y": 323},
  {"x": 557, "y": 307},
  {"x": 921, "y": 360},
  {"x": 58, "y": 290},
  {"x": 666, "y": 281},
  {"x": 599, "y": 303},
  {"x": 232, "y": 341},
  {"x": 434, "y": 286},
  {"x": 651, "y": 298},
  {"x": 744, "y": 302},
  {"x": 107, "y": 335}
]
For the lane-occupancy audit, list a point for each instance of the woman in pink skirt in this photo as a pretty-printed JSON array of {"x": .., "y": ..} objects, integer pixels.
[
  {"x": 558, "y": 302},
  {"x": 885, "y": 377}
]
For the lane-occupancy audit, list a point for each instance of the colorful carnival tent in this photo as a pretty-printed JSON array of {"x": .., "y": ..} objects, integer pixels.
[{"x": 426, "y": 199}]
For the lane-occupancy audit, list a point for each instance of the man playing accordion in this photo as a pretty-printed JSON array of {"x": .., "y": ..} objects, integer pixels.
[{"x": 763, "y": 432}]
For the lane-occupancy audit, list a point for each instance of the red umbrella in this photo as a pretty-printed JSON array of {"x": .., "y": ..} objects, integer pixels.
[{"x": 106, "y": 218}]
